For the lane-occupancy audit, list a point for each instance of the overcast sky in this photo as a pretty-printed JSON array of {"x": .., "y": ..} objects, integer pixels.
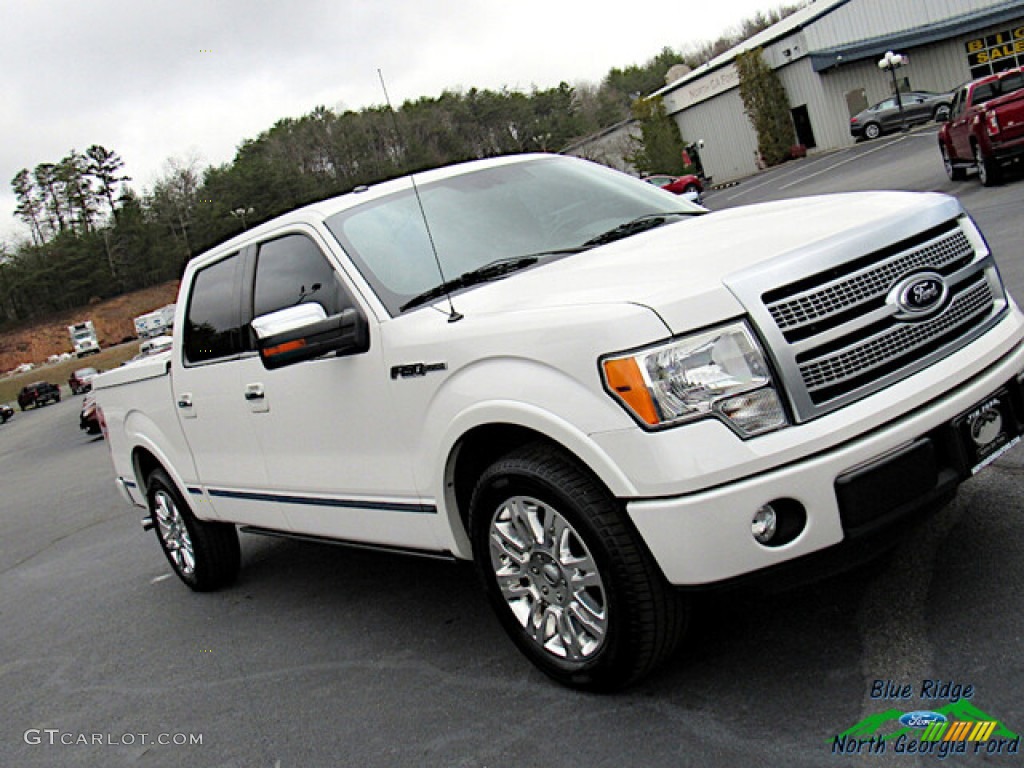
[{"x": 156, "y": 79}]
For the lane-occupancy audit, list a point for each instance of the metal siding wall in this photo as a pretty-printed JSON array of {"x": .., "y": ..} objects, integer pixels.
[
  {"x": 804, "y": 87},
  {"x": 730, "y": 144},
  {"x": 865, "y": 19}
]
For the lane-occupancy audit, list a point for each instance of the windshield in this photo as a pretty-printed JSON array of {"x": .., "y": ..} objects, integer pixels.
[{"x": 543, "y": 207}]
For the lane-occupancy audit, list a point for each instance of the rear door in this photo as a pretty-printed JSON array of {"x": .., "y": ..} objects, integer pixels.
[{"x": 214, "y": 357}]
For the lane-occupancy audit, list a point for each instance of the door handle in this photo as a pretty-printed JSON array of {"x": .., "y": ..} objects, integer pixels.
[
  {"x": 254, "y": 392},
  {"x": 257, "y": 398},
  {"x": 185, "y": 400}
]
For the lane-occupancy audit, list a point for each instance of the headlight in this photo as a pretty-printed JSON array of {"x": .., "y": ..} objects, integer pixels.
[{"x": 720, "y": 373}]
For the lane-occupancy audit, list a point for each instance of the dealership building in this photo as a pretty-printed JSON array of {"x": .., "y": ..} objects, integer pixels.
[{"x": 827, "y": 57}]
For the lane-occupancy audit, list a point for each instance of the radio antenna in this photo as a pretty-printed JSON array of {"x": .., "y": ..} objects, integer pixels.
[{"x": 453, "y": 316}]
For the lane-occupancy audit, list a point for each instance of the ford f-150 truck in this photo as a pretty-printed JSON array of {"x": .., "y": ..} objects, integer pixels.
[
  {"x": 599, "y": 393},
  {"x": 985, "y": 129}
]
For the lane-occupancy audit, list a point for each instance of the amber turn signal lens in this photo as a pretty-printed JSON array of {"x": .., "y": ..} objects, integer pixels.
[{"x": 625, "y": 380}]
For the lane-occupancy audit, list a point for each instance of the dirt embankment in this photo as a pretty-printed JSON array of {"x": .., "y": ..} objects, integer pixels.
[{"x": 113, "y": 320}]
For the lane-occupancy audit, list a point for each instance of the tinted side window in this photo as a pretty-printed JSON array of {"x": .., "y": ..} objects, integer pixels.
[
  {"x": 984, "y": 92},
  {"x": 954, "y": 108},
  {"x": 291, "y": 270},
  {"x": 213, "y": 325},
  {"x": 1011, "y": 83}
]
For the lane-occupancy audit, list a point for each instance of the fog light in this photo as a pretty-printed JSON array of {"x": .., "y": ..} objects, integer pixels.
[
  {"x": 755, "y": 412},
  {"x": 764, "y": 524}
]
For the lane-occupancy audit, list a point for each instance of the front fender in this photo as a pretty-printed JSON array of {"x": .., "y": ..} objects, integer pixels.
[{"x": 522, "y": 393}]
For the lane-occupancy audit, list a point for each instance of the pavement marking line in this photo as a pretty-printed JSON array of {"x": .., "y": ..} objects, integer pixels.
[
  {"x": 161, "y": 578},
  {"x": 843, "y": 162},
  {"x": 764, "y": 183},
  {"x": 776, "y": 177}
]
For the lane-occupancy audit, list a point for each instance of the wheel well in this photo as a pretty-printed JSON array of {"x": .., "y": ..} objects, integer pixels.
[
  {"x": 144, "y": 463},
  {"x": 481, "y": 447}
]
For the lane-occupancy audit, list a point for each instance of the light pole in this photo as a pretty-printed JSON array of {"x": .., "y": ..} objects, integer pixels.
[
  {"x": 241, "y": 213},
  {"x": 890, "y": 63}
]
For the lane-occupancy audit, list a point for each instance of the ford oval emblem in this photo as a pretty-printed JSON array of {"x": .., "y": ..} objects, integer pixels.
[
  {"x": 922, "y": 719},
  {"x": 922, "y": 294}
]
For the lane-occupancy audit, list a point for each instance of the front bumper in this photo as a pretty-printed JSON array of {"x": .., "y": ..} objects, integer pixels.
[{"x": 705, "y": 537}]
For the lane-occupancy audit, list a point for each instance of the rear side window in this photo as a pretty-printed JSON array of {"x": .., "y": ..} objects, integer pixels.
[
  {"x": 213, "y": 325},
  {"x": 985, "y": 92},
  {"x": 291, "y": 270},
  {"x": 1011, "y": 83}
]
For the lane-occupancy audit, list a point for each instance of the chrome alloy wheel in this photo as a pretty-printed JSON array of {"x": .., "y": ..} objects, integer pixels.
[
  {"x": 173, "y": 533},
  {"x": 548, "y": 578}
]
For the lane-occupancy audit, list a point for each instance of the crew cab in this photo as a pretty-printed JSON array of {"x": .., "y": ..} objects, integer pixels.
[
  {"x": 985, "y": 129},
  {"x": 604, "y": 396}
]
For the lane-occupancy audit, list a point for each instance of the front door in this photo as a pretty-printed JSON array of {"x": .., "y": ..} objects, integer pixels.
[{"x": 326, "y": 425}]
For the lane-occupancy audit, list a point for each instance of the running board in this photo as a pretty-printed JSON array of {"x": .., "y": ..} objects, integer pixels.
[{"x": 444, "y": 556}]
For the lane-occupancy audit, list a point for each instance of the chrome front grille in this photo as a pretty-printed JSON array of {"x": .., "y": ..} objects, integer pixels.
[
  {"x": 850, "y": 291},
  {"x": 894, "y": 343},
  {"x": 837, "y": 321}
]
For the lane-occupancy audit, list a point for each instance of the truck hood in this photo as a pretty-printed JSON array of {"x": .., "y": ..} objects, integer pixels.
[{"x": 679, "y": 270}]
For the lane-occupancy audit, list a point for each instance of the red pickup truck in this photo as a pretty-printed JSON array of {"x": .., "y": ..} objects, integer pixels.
[{"x": 985, "y": 128}]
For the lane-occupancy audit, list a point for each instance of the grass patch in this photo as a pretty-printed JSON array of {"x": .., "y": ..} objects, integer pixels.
[{"x": 58, "y": 373}]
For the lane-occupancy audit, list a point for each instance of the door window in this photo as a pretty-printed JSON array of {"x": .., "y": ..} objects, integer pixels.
[
  {"x": 291, "y": 270},
  {"x": 213, "y": 324}
]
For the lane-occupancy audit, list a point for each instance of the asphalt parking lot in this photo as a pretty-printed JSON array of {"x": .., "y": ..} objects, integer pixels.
[{"x": 323, "y": 656}]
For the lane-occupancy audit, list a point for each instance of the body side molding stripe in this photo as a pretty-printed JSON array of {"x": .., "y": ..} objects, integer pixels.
[{"x": 383, "y": 506}]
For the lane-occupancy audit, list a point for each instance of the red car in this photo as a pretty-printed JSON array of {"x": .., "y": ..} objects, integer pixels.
[
  {"x": 89, "y": 418},
  {"x": 81, "y": 380},
  {"x": 677, "y": 185}
]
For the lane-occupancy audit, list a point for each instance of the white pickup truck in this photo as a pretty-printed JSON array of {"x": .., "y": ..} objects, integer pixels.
[{"x": 597, "y": 392}]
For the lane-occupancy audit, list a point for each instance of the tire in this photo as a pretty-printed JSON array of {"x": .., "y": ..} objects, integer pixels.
[
  {"x": 206, "y": 556},
  {"x": 570, "y": 579},
  {"x": 988, "y": 169},
  {"x": 872, "y": 131},
  {"x": 941, "y": 113},
  {"x": 691, "y": 188},
  {"x": 954, "y": 172}
]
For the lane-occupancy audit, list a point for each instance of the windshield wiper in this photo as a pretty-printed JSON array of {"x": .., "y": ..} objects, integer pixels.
[
  {"x": 634, "y": 226},
  {"x": 486, "y": 273}
]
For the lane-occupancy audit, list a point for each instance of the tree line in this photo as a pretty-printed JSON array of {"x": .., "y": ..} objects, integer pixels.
[{"x": 91, "y": 235}]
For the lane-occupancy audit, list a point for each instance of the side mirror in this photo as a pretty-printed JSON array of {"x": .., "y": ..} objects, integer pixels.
[{"x": 303, "y": 332}]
